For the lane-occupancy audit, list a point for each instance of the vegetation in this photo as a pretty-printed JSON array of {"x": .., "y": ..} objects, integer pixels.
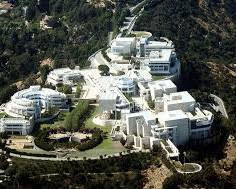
[
  {"x": 70, "y": 42},
  {"x": 104, "y": 54},
  {"x": 78, "y": 90},
  {"x": 104, "y": 69},
  {"x": 6, "y": 93},
  {"x": 157, "y": 77},
  {"x": 204, "y": 44},
  {"x": 64, "y": 89},
  {"x": 75, "y": 119},
  {"x": 151, "y": 103},
  {"x": 43, "y": 141},
  {"x": 127, "y": 169}
]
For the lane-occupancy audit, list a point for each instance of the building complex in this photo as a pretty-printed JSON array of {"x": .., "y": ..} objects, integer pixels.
[
  {"x": 176, "y": 119},
  {"x": 158, "y": 57},
  {"x": 27, "y": 106},
  {"x": 64, "y": 76}
]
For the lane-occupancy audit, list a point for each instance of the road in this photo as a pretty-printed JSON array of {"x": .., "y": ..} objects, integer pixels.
[
  {"x": 110, "y": 37},
  {"x": 132, "y": 9},
  {"x": 221, "y": 104},
  {"x": 72, "y": 159}
]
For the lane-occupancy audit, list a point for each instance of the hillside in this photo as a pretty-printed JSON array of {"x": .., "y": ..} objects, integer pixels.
[
  {"x": 61, "y": 33},
  {"x": 204, "y": 34}
]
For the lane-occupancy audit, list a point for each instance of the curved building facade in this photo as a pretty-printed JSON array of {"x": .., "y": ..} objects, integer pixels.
[
  {"x": 31, "y": 101},
  {"x": 126, "y": 85}
]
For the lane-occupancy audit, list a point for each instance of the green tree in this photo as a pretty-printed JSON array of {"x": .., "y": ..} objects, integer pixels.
[{"x": 104, "y": 69}]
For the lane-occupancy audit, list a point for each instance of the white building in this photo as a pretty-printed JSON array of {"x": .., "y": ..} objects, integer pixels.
[
  {"x": 113, "y": 100},
  {"x": 64, "y": 76},
  {"x": 126, "y": 85},
  {"x": 161, "y": 61},
  {"x": 160, "y": 87},
  {"x": 176, "y": 123},
  {"x": 145, "y": 46},
  {"x": 30, "y": 102},
  {"x": 123, "y": 46},
  {"x": 180, "y": 120},
  {"x": 176, "y": 101},
  {"x": 16, "y": 125}
]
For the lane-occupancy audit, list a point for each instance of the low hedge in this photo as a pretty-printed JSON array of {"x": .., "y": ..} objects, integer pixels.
[{"x": 14, "y": 151}]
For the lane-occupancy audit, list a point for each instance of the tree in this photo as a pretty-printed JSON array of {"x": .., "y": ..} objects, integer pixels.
[
  {"x": 78, "y": 91},
  {"x": 104, "y": 69},
  {"x": 44, "y": 71}
]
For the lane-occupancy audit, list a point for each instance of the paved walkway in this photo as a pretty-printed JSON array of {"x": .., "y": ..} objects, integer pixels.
[
  {"x": 221, "y": 104},
  {"x": 73, "y": 159}
]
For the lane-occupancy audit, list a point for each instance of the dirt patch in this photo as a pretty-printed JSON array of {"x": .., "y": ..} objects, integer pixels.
[
  {"x": 100, "y": 3},
  {"x": 19, "y": 143},
  {"x": 48, "y": 62},
  {"x": 224, "y": 166},
  {"x": 155, "y": 176},
  {"x": 5, "y": 5}
]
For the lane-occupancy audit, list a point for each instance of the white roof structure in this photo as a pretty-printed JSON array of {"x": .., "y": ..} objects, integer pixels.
[
  {"x": 179, "y": 97},
  {"x": 122, "y": 40},
  {"x": 147, "y": 115},
  {"x": 63, "y": 75},
  {"x": 162, "y": 56},
  {"x": 139, "y": 75},
  {"x": 171, "y": 115},
  {"x": 162, "y": 84},
  {"x": 160, "y": 44}
]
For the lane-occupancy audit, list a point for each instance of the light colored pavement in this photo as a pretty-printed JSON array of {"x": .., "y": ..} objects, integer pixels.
[
  {"x": 72, "y": 159},
  {"x": 132, "y": 9},
  {"x": 110, "y": 37},
  {"x": 221, "y": 104}
]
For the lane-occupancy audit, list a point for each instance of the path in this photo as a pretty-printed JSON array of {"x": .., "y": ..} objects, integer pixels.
[
  {"x": 221, "y": 104},
  {"x": 73, "y": 159}
]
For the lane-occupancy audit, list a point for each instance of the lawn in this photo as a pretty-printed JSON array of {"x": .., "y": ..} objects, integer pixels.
[
  {"x": 89, "y": 121},
  {"x": 184, "y": 167},
  {"x": 58, "y": 122},
  {"x": 157, "y": 77},
  {"x": 3, "y": 114},
  {"x": 107, "y": 147}
]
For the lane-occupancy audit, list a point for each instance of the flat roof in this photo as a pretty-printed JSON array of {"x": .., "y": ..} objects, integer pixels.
[
  {"x": 146, "y": 114},
  {"x": 163, "y": 84},
  {"x": 171, "y": 115},
  {"x": 109, "y": 95},
  {"x": 179, "y": 97},
  {"x": 163, "y": 55},
  {"x": 160, "y": 44}
]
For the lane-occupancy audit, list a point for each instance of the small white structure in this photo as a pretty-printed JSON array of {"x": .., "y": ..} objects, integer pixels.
[
  {"x": 180, "y": 120},
  {"x": 64, "y": 76},
  {"x": 113, "y": 100},
  {"x": 123, "y": 46},
  {"x": 176, "y": 101},
  {"x": 161, "y": 87},
  {"x": 176, "y": 123},
  {"x": 126, "y": 85},
  {"x": 145, "y": 46},
  {"x": 29, "y": 102},
  {"x": 161, "y": 61},
  {"x": 16, "y": 125}
]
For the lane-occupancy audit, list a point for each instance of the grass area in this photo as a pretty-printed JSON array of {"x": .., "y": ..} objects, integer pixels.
[
  {"x": 89, "y": 121},
  {"x": 107, "y": 147},
  {"x": 58, "y": 122},
  {"x": 140, "y": 34},
  {"x": 184, "y": 167},
  {"x": 2, "y": 115},
  {"x": 157, "y": 77}
]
